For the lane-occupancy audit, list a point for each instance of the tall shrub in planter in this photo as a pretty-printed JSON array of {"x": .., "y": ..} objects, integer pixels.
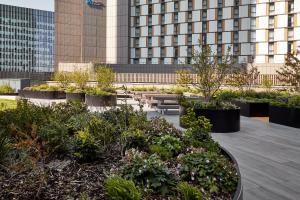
[
  {"x": 105, "y": 77},
  {"x": 80, "y": 78},
  {"x": 63, "y": 78},
  {"x": 290, "y": 72},
  {"x": 211, "y": 74}
]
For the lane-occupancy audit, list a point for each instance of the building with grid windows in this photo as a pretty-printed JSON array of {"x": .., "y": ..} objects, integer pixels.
[
  {"x": 26, "y": 39},
  {"x": 168, "y": 31}
]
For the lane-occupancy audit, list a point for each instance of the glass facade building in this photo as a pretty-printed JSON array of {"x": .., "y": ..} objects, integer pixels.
[{"x": 26, "y": 39}]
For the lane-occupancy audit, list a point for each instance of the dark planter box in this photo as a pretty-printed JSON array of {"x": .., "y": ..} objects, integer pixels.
[
  {"x": 253, "y": 109},
  {"x": 42, "y": 94},
  {"x": 8, "y": 94},
  {"x": 285, "y": 116},
  {"x": 101, "y": 101},
  {"x": 75, "y": 97},
  {"x": 223, "y": 121},
  {"x": 238, "y": 195}
]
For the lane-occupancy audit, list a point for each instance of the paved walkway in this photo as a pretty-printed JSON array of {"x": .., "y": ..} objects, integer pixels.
[{"x": 268, "y": 156}]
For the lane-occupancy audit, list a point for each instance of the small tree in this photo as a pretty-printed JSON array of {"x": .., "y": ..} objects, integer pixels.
[
  {"x": 184, "y": 77},
  {"x": 63, "y": 78},
  {"x": 267, "y": 84},
  {"x": 105, "y": 77},
  {"x": 210, "y": 72},
  {"x": 243, "y": 76},
  {"x": 290, "y": 72},
  {"x": 80, "y": 78}
]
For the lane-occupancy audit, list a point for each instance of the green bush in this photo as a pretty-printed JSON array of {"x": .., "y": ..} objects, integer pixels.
[
  {"x": 149, "y": 172},
  {"x": 105, "y": 77},
  {"x": 120, "y": 189},
  {"x": 100, "y": 92},
  {"x": 210, "y": 170},
  {"x": 4, "y": 147},
  {"x": 80, "y": 78},
  {"x": 134, "y": 139},
  {"x": 294, "y": 102},
  {"x": 63, "y": 78},
  {"x": 45, "y": 87},
  {"x": 86, "y": 149},
  {"x": 6, "y": 89},
  {"x": 189, "y": 192},
  {"x": 167, "y": 146}
]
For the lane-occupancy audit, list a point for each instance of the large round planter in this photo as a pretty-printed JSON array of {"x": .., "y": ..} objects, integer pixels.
[
  {"x": 238, "y": 195},
  {"x": 223, "y": 121},
  {"x": 80, "y": 97},
  {"x": 252, "y": 109},
  {"x": 42, "y": 94},
  {"x": 101, "y": 101},
  {"x": 285, "y": 116}
]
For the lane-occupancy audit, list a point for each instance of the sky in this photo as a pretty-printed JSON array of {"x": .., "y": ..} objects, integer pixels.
[{"x": 36, "y": 4}]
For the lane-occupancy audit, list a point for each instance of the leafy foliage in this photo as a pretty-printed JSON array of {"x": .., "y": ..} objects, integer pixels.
[
  {"x": 6, "y": 89},
  {"x": 120, "y": 189},
  {"x": 184, "y": 77},
  {"x": 189, "y": 192},
  {"x": 134, "y": 138},
  {"x": 80, "y": 78},
  {"x": 4, "y": 147},
  {"x": 207, "y": 170},
  {"x": 210, "y": 72},
  {"x": 105, "y": 77},
  {"x": 150, "y": 172},
  {"x": 63, "y": 78},
  {"x": 167, "y": 146},
  {"x": 290, "y": 72}
]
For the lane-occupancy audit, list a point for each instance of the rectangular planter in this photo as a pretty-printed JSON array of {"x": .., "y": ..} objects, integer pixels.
[
  {"x": 101, "y": 101},
  {"x": 253, "y": 109},
  {"x": 285, "y": 116},
  {"x": 42, "y": 94}
]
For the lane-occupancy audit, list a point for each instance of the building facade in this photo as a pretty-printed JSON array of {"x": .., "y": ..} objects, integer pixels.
[
  {"x": 259, "y": 31},
  {"x": 80, "y": 31},
  {"x": 26, "y": 39},
  {"x": 168, "y": 31}
]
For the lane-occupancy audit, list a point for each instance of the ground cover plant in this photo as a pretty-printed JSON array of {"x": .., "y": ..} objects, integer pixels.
[
  {"x": 7, "y": 104},
  {"x": 66, "y": 152},
  {"x": 6, "y": 89}
]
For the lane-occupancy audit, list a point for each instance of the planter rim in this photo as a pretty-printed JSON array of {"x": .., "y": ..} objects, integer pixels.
[
  {"x": 238, "y": 195},
  {"x": 284, "y": 107},
  {"x": 100, "y": 95},
  {"x": 211, "y": 109}
]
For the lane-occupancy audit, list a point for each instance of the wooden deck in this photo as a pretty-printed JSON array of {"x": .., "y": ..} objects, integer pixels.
[{"x": 268, "y": 156}]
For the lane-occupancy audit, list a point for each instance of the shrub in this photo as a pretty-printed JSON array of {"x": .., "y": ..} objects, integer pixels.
[
  {"x": 55, "y": 135},
  {"x": 100, "y": 91},
  {"x": 86, "y": 149},
  {"x": 63, "y": 78},
  {"x": 184, "y": 77},
  {"x": 120, "y": 189},
  {"x": 151, "y": 173},
  {"x": 134, "y": 139},
  {"x": 167, "y": 146},
  {"x": 80, "y": 78},
  {"x": 6, "y": 89},
  {"x": 294, "y": 102},
  {"x": 105, "y": 77},
  {"x": 4, "y": 147},
  {"x": 210, "y": 170},
  {"x": 189, "y": 192}
]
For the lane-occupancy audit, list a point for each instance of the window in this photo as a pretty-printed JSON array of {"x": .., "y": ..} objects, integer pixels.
[
  {"x": 150, "y": 20},
  {"x": 253, "y": 10},
  {"x": 219, "y": 49},
  {"x": 163, "y": 18},
  {"x": 271, "y": 22},
  {"x": 149, "y": 9},
  {"x": 252, "y": 49},
  {"x": 290, "y": 34},
  {"x": 137, "y": 32},
  {"x": 150, "y": 53},
  {"x": 150, "y": 31},
  {"x": 272, "y": 8},
  {"x": 190, "y": 16},
  {"x": 175, "y": 40},
  {"x": 236, "y": 24},
  {"x": 204, "y": 4},
  {"x": 150, "y": 41},
  {"x": 253, "y": 36},
  {"x": 189, "y": 51},
  {"x": 176, "y": 52},
  {"x": 162, "y": 30},
  {"x": 291, "y": 6},
  {"x": 271, "y": 35},
  {"x": 219, "y": 38},
  {"x": 236, "y": 49},
  {"x": 137, "y": 42},
  {"x": 271, "y": 48},
  {"x": 190, "y": 39},
  {"x": 220, "y": 3},
  {"x": 190, "y": 5},
  {"x": 162, "y": 41},
  {"x": 220, "y": 26},
  {"x": 204, "y": 27},
  {"x": 175, "y": 17},
  {"x": 271, "y": 59},
  {"x": 236, "y": 37},
  {"x": 137, "y": 21},
  {"x": 290, "y": 21},
  {"x": 290, "y": 47},
  {"x": 204, "y": 15},
  {"x": 137, "y": 11},
  {"x": 162, "y": 52},
  {"x": 176, "y": 6},
  {"x": 236, "y": 12},
  {"x": 176, "y": 29},
  {"x": 204, "y": 39},
  {"x": 253, "y": 24},
  {"x": 163, "y": 8},
  {"x": 190, "y": 28},
  {"x": 220, "y": 13}
]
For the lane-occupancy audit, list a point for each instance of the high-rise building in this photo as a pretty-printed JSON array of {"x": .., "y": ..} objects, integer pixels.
[
  {"x": 168, "y": 31},
  {"x": 80, "y": 31},
  {"x": 26, "y": 39}
]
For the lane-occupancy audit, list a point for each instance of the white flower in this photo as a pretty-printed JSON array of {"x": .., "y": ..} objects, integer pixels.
[{"x": 207, "y": 161}]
